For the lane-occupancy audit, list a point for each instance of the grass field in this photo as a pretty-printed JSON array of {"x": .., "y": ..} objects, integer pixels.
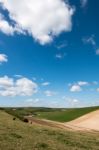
[
  {"x": 61, "y": 115},
  {"x": 17, "y": 135},
  {"x": 66, "y": 115}
]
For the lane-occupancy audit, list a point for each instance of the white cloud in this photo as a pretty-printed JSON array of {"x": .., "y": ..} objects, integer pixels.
[
  {"x": 61, "y": 45},
  {"x": 6, "y": 82},
  {"x": 42, "y": 19},
  {"x": 82, "y": 83},
  {"x": 75, "y": 100},
  {"x": 60, "y": 55},
  {"x": 83, "y": 3},
  {"x": 19, "y": 87},
  {"x": 97, "y": 89},
  {"x": 26, "y": 87},
  {"x": 75, "y": 88},
  {"x": 78, "y": 86},
  {"x": 97, "y": 52},
  {"x": 8, "y": 29},
  {"x": 49, "y": 93},
  {"x": 71, "y": 102},
  {"x": 90, "y": 40},
  {"x": 45, "y": 83},
  {"x": 5, "y": 26},
  {"x": 32, "y": 100},
  {"x": 18, "y": 76},
  {"x": 3, "y": 58}
]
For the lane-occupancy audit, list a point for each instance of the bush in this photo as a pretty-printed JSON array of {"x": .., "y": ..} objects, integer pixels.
[
  {"x": 26, "y": 120},
  {"x": 14, "y": 118}
]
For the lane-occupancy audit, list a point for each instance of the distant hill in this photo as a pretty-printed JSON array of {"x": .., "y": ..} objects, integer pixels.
[{"x": 60, "y": 115}]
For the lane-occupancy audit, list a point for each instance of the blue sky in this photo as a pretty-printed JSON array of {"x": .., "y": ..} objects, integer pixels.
[{"x": 49, "y": 54}]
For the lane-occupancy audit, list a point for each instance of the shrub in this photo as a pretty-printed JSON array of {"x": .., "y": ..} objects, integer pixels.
[
  {"x": 26, "y": 120},
  {"x": 14, "y": 118}
]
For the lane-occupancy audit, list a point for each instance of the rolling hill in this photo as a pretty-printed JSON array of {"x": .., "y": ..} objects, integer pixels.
[
  {"x": 15, "y": 134},
  {"x": 60, "y": 115}
]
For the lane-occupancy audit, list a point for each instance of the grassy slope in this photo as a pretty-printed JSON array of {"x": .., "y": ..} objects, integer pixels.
[
  {"x": 61, "y": 115},
  {"x": 21, "y": 112},
  {"x": 16, "y": 135},
  {"x": 67, "y": 115}
]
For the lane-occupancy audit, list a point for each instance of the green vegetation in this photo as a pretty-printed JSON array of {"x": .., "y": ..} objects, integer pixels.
[
  {"x": 61, "y": 115},
  {"x": 66, "y": 115},
  {"x": 21, "y": 112},
  {"x": 15, "y": 134}
]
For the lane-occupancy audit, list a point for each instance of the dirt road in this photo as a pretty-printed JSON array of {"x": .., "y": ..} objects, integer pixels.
[{"x": 88, "y": 122}]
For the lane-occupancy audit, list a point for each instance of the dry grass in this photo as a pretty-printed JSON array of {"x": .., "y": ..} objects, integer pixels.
[{"x": 17, "y": 135}]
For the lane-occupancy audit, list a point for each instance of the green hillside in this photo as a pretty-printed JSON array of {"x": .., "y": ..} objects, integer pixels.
[
  {"x": 61, "y": 115},
  {"x": 66, "y": 115},
  {"x": 17, "y": 135}
]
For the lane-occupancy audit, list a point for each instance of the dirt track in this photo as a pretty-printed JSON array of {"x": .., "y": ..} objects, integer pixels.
[
  {"x": 45, "y": 122},
  {"x": 88, "y": 122}
]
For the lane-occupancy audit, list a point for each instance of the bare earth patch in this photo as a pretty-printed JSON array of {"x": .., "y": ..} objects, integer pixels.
[{"x": 86, "y": 122}]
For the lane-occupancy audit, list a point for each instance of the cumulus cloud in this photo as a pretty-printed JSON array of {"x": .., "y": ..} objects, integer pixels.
[
  {"x": 3, "y": 58},
  {"x": 42, "y": 19},
  {"x": 8, "y": 29},
  {"x": 5, "y": 26},
  {"x": 75, "y": 88},
  {"x": 19, "y": 87},
  {"x": 6, "y": 82}
]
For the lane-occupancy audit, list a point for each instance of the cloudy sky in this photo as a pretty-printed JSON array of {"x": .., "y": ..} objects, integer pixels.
[{"x": 49, "y": 53}]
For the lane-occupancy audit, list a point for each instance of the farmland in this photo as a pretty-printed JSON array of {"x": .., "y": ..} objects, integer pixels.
[{"x": 60, "y": 115}]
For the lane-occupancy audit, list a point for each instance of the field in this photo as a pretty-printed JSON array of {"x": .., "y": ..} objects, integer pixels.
[
  {"x": 17, "y": 135},
  {"x": 60, "y": 115}
]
